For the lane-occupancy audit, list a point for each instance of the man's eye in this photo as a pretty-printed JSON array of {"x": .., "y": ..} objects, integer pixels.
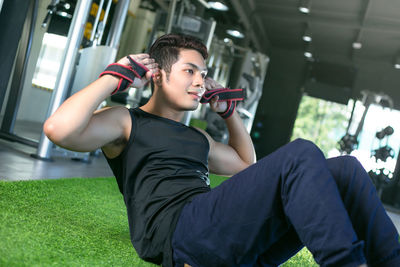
[{"x": 190, "y": 71}]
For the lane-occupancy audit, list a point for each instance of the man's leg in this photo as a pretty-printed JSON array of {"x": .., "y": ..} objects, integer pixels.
[
  {"x": 367, "y": 214},
  {"x": 246, "y": 215},
  {"x": 369, "y": 218},
  {"x": 282, "y": 250}
]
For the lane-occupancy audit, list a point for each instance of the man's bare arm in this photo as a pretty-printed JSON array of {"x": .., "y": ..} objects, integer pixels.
[
  {"x": 239, "y": 153},
  {"x": 76, "y": 125}
]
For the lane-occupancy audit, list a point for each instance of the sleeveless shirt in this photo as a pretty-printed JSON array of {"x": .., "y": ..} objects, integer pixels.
[{"x": 163, "y": 166}]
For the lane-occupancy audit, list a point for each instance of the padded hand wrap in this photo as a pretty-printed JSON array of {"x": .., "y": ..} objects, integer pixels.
[
  {"x": 126, "y": 73},
  {"x": 231, "y": 96}
]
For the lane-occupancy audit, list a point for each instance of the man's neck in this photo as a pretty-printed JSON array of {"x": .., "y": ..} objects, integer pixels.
[{"x": 160, "y": 109}]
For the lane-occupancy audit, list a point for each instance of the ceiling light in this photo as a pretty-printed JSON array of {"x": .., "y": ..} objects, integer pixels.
[
  {"x": 308, "y": 52},
  {"x": 396, "y": 63},
  {"x": 235, "y": 33},
  {"x": 304, "y": 6},
  {"x": 227, "y": 40},
  {"x": 307, "y": 35},
  {"x": 357, "y": 45},
  {"x": 64, "y": 14},
  {"x": 204, "y": 3},
  {"x": 218, "y": 5},
  {"x": 304, "y": 9}
]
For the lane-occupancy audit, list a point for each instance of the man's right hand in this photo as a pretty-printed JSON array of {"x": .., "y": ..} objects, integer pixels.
[{"x": 146, "y": 61}]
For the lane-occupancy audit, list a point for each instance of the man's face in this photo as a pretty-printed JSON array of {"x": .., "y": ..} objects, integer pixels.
[{"x": 185, "y": 85}]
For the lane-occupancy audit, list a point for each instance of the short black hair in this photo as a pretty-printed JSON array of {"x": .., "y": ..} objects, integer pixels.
[{"x": 165, "y": 50}]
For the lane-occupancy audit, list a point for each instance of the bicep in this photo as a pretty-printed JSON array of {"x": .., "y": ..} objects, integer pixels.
[
  {"x": 104, "y": 128},
  {"x": 223, "y": 159}
]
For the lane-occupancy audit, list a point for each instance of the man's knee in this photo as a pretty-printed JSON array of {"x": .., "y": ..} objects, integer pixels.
[
  {"x": 304, "y": 147},
  {"x": 353, "y": 161},
  {"x": 348, "y": 162},
  {"x": 348, "y": 172},
  {"x": 304, "y": 143}
]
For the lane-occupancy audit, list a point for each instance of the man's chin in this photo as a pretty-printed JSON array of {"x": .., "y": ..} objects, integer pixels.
[{"x": 191, "y": 108}]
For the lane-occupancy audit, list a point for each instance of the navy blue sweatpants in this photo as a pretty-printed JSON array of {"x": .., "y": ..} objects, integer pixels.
[{"x": 292, "y": 198}]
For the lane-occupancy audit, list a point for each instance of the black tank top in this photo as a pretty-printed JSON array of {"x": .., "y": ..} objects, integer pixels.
[{"x": 163, "y": 166}]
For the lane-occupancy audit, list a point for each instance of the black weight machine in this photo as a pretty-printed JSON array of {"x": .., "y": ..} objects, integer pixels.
[{"x": 381, "y": 176}]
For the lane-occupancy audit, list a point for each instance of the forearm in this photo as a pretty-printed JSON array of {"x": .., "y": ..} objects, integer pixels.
[{"x": 239, "y": 139}]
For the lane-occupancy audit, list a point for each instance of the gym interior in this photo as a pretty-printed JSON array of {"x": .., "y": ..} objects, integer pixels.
[{"x": 326, "y": 71}]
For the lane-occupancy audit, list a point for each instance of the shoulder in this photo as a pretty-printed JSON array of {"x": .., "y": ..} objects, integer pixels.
[
  {"x": 210, "y": 140},
  {"x": 114, "y": 110},
  {"x": 120, "y": 118}
]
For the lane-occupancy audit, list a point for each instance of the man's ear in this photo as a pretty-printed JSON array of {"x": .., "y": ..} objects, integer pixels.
[
  {"x": 157, "y": 76},
  {"x": 157, "y": 79}
]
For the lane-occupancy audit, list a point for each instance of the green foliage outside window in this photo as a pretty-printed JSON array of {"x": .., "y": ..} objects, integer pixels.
[{"x": 321, "y": 122}]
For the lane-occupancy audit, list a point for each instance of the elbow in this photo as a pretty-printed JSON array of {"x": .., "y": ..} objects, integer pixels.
[
  {"x": 52, "y": 131},
  {"x": 247, "y": 164},
  {"x": 242, "y": 166},
  {"x": 254, "y": 160},
  {"x": 250, "y": 160},
  {"x": 49, "y": 130}
]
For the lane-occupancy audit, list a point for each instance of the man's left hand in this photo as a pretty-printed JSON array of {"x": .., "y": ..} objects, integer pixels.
[{"x": 216, "y": 106}]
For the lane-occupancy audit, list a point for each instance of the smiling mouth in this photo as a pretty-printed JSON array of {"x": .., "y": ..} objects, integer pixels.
[{"x": 196, "y": 94}]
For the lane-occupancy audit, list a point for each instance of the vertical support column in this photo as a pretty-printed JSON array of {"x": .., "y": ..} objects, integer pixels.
[
  {"x": 277, "y": 109},
  {"x": 118, "y": 23},
  {"x": 96, "y": 21},
  {"x": 75, "y": 35},
  {"x": 170, "y": 18}
]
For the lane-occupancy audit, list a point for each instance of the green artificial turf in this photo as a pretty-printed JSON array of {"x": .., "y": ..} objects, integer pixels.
[{"x": 72, "y": 222}]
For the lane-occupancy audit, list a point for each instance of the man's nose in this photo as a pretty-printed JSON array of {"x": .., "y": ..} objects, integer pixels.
[{"x": 199, "y": 80}]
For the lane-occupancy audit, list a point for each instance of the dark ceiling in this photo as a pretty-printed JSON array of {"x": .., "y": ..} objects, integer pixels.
[{"x": 335, "y": 25}]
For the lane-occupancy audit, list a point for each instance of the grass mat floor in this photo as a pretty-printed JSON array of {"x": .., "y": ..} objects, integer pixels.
[{"x": 72, "y": 222}]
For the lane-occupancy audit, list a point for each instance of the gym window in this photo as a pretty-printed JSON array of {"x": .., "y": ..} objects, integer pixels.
[{"x": 49, "y": 60}]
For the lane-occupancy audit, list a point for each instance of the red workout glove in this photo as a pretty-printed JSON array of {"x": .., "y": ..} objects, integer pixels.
[
  {"x": 126, "y": 73},
  {"x": 231, "y": 96}
]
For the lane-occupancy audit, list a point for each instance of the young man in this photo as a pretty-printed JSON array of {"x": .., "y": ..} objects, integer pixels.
[{"x": 261, "y": 216}]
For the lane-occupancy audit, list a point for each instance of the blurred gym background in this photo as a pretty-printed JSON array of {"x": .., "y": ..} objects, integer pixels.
[{"x": 327, "y": 71}]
